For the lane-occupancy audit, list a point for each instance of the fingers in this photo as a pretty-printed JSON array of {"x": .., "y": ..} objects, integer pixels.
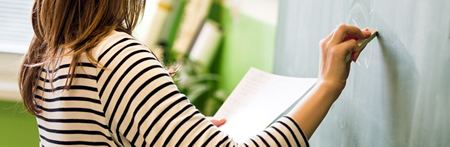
[
  {"x": 366, "y": 32},
  {"x": 346, "y": 48},
  {"x": 343, "y": 30},
  {"x": 217, "y": 122},
  {"x": 343, "y": 38},
  {"x": 355, "y": 56}
]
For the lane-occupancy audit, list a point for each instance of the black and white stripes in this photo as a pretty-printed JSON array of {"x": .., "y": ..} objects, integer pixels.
[{"x": 133, "y": 101}]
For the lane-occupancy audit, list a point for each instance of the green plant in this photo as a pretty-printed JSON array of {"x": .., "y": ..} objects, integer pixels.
[{"x": 198, "y": 84}]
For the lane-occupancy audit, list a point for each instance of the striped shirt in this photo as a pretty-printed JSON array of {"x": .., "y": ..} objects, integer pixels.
[{"x": 132, "y": 101}]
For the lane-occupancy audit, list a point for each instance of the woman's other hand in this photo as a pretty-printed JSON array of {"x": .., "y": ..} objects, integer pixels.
[{"x": 215, "y": 121}]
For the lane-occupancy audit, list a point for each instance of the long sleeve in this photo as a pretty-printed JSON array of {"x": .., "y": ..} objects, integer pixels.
[{"x": 143, "y": 107}]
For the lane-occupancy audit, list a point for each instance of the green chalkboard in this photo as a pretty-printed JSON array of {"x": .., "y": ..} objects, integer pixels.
[{"x": 398, "y": 93}]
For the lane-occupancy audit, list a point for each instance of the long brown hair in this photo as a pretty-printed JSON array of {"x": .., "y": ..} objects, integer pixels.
[{"x": 72, "y": 27}]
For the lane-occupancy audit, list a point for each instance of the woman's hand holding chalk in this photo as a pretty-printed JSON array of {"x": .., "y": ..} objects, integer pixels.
[
  {"x": 361, "y": 43},
  {"x": 334, "y": 49}
]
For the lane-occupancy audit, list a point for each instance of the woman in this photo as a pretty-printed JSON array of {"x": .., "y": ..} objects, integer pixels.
[{"x": 90, "y": 83}]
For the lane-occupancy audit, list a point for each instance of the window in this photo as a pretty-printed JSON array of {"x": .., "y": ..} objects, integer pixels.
[
  {"x": 15, "y": 25},
  {"x": 16, "y": 31}
]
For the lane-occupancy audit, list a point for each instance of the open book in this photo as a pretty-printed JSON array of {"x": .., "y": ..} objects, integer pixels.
[{"x": 258, "y": 100}]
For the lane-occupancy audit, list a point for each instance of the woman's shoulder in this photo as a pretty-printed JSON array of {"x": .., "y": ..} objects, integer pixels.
[{"x": 113, "y": 41}]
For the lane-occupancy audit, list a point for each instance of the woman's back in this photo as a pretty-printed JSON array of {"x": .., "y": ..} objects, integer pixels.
[{"x": 131, "y": 101}]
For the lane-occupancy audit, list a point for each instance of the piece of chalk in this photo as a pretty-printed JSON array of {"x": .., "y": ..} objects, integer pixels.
[{"x": 363, "y": 42}]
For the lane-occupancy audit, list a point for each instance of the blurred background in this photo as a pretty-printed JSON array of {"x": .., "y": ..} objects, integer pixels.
[{"x": 215, "y": 42}]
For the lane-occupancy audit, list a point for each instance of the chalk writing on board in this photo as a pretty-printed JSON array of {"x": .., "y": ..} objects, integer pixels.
[
  {"x": 355, "y": 22},
  {"x": 370, "y": 56},
  {"x": 401, "y": 98}
]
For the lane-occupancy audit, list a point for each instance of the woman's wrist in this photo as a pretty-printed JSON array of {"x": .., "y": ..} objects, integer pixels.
[{"x": 331, "y": 89}]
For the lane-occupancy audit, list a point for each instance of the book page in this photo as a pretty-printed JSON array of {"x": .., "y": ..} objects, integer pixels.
[{"x": 258, "y": 100}]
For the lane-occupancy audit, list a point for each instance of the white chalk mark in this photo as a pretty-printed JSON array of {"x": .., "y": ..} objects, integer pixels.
[
  {"x": 348, "y": 20},
  {"x": 355, "y": 22},
  {"x": 365, "y": 61},
  {"x": 370, "y": 56},
  {"x": 371, "y": 20},
  {"x": 371, "y": 17},
  {"x": 357, "y": 62}
]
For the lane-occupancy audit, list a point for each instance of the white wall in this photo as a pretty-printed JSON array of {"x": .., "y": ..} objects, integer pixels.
[
  {"x": 9, "y": 66},
  {"x": 264, "y": 10}
]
